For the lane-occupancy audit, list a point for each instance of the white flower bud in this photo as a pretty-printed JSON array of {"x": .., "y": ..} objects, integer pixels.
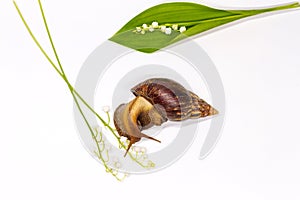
[
  {"x": 155, "y": 24},
  {"x": 143, "y": 149},
  {"x": 182, "y": 29},
  {"x": 115, "y": 159},
  {"x": 145, "y": 26},
  {"x": 175, "y": 27},
  {"x": 151, "y": 29},
  {"x": 138, "y": 29},
  {"x": 163, "y": 28},
  {"x": 117, "y": 165},
  {"x": 106, "y": 108},
  {"x": 108, "y": 147},
  {"x": 168, "y": 31},
  {"x": 136, "y": 149}
]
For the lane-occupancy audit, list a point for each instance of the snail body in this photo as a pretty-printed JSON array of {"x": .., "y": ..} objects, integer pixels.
[
  {"x": 127, "y": 123},
  {"x": 157, "y": 101}
]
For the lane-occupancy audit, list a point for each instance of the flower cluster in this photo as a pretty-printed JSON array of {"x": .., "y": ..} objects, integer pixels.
[
  {"x": 167, "y": 29},
  {"x": 105, "y": 153},
  {"x": 102, "y": 152},
  {"x": 141, "y": 155}
]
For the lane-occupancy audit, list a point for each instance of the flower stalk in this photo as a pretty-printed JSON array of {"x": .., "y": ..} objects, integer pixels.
[{"x": 101, "y": 151}]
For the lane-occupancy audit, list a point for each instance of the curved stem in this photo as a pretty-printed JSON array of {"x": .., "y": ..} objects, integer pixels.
[
  {"x": 61, "y": 73},
  {"x": 108, "y": 118},
  {"x": 73, "y": 92}
]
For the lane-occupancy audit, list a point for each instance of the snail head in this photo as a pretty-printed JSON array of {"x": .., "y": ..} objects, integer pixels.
[{"x": 131, "y": 118}]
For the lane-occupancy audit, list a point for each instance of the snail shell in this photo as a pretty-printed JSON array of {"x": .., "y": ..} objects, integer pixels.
[
  {"x": 157, "y": 100},
  {"x": 172, "y": 100}
]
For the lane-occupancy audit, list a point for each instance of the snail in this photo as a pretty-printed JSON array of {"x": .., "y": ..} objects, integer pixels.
[{"x": 157, "y": 101}]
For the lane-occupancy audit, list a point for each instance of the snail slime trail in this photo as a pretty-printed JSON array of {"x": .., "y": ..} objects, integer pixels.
[{"x": 157, "y": 101}]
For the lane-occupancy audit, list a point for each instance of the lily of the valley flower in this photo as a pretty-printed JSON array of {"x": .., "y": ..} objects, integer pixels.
[
  {"x": 138, "y": 29},
  {"x": 151, "y": 28},
  {"x": 175, "y": 27},
  {"x": 155, "y": 24},
  {"x": 167, "y": 29},
  {"x": 106, "y": 109},
  {"x": 182, "y": 29},
  {"x": 145, "y": 26},
  {"x": 163, "y": 28}
]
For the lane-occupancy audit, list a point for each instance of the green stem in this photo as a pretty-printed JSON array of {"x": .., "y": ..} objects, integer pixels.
[
  {"x": 108, "y": 118},
  {"x": 71, "y": 89},
  {"x": 52, "y": 63},
  {"x": 36, "y": 41},
  {"x": 87, "y": 123},
  {"x": 50, "y": 38},
  {"x": 74, "y": 93},
  {"x": 61, "y": 73}
]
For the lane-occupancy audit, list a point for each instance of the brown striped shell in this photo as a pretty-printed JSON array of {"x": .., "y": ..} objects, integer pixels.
[
  {"x": 157, "y": 100},
  {"x": 172, "y": 100}
]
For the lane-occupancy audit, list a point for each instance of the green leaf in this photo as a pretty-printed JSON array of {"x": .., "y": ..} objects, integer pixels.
[{"x": 195, "y": 17}]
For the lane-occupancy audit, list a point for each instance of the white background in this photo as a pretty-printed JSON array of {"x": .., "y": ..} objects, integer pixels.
[{"x": 258, "y": 156}]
